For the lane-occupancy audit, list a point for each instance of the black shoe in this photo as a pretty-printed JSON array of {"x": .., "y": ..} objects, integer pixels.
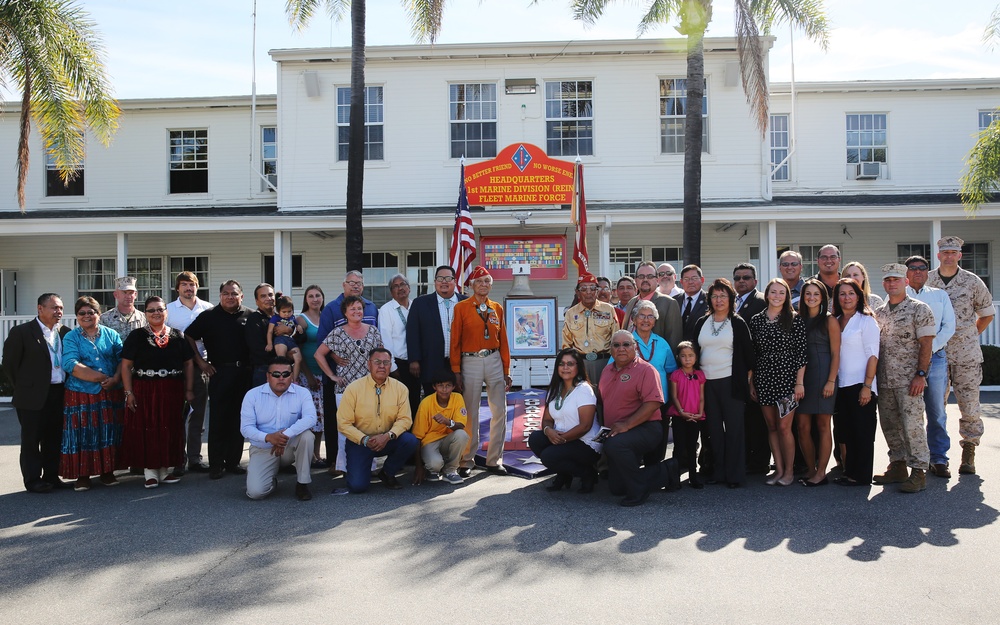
[
  {"x": 497, "y": 469},
  {"x": 464, "y": 472},
  {"x": 216, "y": 473},
  {"x": 178, "y": 471},
  {"x": 390, "y": 481},
  {"x": 237, "y": 470},
  {"x": 302, "y": 492},
  {"x": 588, "y": 485},
  {"x": 135, "y": 471},
  {"x": 672, "y": 480},
  {"x": 822, "y": 482},
  {"x": 58, "y": 484},
  {"x": 732, "y": 485},
  {"x": 563, "y": 480},
  {"x": 629, "y": 502},
  {"x": 695, "y": 483},
  {"x": 288, "y": 469},
  {"x": 197, "y": 467},
  {"x": 39, "y": 486}
]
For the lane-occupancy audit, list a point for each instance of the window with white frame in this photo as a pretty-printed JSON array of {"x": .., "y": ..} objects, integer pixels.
[
  {"x": 473, "y": 113},
  {"x": 188, "y": 161},
  {"x": 198, "y": 265},
  {"x": 623, "y": 260},
  {"x": 269, "y": 158},
  {"x": 380, "y": 266},
  {"x": 976, "y": 258},
  {"x": 54, "y": 185},
  {"x": 987, "y": 117},
  {"x": 569, "y": 118},
  {"x": 779, "y": 147},
  {"x": 867, "y": 138},
  {"x": 374, "y": 120},
  {"x": 905, "y": 250},
  {"x": 753, "y": 257},
  {"x": 667, "y": 254},
  {"x": 420, "y": 268},
  {"x": 95, "y": 277},
  {"x": 673, "y": 113},
  {"x": 267, "y": 270}
]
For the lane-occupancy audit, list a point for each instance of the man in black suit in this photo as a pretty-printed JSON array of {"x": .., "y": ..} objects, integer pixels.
[
  {"x": 749, "y": 302},
  {"x": 32, "y": 360},
  {"x": 668, "y": 325},
  {"x": 428, "y": 328},
  {"x": 693, "y": 301}
]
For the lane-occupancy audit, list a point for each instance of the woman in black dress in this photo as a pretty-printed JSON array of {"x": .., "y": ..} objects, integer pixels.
[
  {"x": 823, "y": 360},
  {"x": 779, "y": 337},
  {"x": 158, "y": 376}
]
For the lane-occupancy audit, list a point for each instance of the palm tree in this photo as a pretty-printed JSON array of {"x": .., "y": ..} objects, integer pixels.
[
  {"x": 753, "y": 18},
  {"x": 425, "y": 18},
  {"x": 982, "y": 178},
  {"x": 50, "y": 51}
]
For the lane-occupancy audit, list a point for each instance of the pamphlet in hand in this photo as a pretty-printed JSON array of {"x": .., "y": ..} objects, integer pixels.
[{"x": 602, "y": 435}]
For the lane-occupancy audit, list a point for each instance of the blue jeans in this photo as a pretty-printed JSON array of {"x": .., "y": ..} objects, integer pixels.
[
  {"x": 359, "y": 460},
  {"x": 934, "y": 398}
]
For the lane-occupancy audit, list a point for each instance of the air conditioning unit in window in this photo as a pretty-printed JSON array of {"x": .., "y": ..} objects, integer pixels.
[{"x": 867, "y": 171}]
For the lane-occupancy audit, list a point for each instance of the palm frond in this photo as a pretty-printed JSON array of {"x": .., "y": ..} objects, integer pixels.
[
  {"x": 752, "y": 71},
  {"x": 425, "y": 19},
  {"x": 301, "y": 12},
  {"x": 805, "y": 15},
  {"x": 991, "y": 34},
  {"x": 982, "y": 178}
]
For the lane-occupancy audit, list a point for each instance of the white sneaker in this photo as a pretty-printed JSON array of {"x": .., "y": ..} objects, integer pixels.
[{"x": 453, "y": 478}]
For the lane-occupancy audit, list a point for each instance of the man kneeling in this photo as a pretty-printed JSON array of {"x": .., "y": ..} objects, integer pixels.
[
  {"x": 440, "y": 426},
  {"x": 374, "y": 416},
  {"x": 276, "y": 418}
]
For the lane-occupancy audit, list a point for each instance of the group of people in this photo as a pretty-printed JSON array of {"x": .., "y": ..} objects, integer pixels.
[{"x": 792, "y": 373}]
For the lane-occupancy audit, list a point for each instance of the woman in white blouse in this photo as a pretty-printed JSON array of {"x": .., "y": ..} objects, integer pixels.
[
  {"x": 857, "y": 396},
  {"x": 566, "y": 443}
]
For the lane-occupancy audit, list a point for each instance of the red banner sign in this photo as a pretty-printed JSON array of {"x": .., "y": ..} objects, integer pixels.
[{"x": 521, "y": 174}]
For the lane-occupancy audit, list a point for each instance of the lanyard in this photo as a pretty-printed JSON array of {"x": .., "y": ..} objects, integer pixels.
[
  {"x": 484, "y": 313},
  {"x": 55, "y": 347}
]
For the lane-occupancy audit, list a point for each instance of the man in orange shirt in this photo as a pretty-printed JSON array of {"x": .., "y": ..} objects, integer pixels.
[{"x": 480, "y": 354}]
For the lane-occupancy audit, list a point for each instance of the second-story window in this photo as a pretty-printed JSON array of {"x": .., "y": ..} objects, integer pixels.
[
  {"x": 54, "y": 185},
  {"x": 569, "y": 118},
  {"x": 473, "y": 114},
  {"x": 189, "y": 161},
  {"x": 269, "y": 157},
  {"x": 374, "y": 119},
  {"x": 779, "y": 147},
  {"x": 673, "y": 116},
  {"x": 867, "y": 143}
]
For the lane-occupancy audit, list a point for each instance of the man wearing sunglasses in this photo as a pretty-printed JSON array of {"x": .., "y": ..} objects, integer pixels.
[
  {"x": 668, "y": 325},
  {"x": 374, "y": 416},
  {"x": 276, "y": 418}
]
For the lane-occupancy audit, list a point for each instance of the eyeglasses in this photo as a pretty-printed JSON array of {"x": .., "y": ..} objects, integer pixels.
[
  {"x": 280, "y": 374},
  {"x": 399, "y": 285},
  {"x": 742, "y": 278},
  {"x": 605, "y": 288},
  {"x": 381, "y": 363},
  {"x": 354, "y": 282},
  {"x": 692, "y": 279},
  {"x": 917, "y": 267},
  {"x": 86, "y": 313},
  {"x": 231, "y": 294},
  {"x": 619, "y": 345},
  {"x": 645, "y": 317},
  {"x": 788, "y": 264},
  {"x": 588, "y": 289},
  {"x": 663, "y": 274},
  {"x": 645, "y": 276},
  {"x": 155, "y": 311},
  {"x": 826, "y": 257},
  {"x": 444, "y": 279},
  {"x": 719, "y": 296},
  {"x": 567, "y": 363}
]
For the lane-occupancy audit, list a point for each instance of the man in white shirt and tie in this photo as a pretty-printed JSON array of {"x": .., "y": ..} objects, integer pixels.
[{"x": 392, "y": 325}]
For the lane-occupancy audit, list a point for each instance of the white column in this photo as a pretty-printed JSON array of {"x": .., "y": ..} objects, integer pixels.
[
  {"x": 604, "y": 248},
  {"x": 121, "y": 262},
  {"x": 768, "y": 251},
  {"x": 935, "y": 237},
  {"x": 282, "y": 262},
  {"x": 442, "y": 246}
]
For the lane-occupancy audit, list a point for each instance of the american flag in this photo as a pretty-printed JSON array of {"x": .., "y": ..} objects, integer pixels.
[
  {"x": 578, "y": 212},
  {"x": 463, "y": 240}
]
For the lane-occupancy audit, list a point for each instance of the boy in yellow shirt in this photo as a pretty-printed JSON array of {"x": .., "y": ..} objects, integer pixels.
[{"x": 440, "y": 425}]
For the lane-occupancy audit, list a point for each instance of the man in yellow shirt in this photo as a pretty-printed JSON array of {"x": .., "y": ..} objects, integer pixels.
[
  {"x": 440, "y": 426},
  {"x": 588, "y": 328},
  {"x": 374, "y": 416}
]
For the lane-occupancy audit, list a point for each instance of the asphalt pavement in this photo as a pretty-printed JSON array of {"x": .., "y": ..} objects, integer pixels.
[{"x": 502, "y": 550}]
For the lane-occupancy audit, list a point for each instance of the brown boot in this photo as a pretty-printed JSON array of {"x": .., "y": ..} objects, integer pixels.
[
  {"x": 894, "y": 473},
  {"x": 915, "y": 483},
  {"x": 940, "y": 470},
  {"x": 968, "y": 465}
]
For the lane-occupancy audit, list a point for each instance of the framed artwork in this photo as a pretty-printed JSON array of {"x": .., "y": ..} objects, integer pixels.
[{"x": 531, "y": 326}]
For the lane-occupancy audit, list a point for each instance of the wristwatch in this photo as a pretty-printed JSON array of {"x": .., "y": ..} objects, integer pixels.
[
  {"x": 392, "y": 436},
  {"x": 921, "y": 373},
  {"x": 452, "y": 424}
]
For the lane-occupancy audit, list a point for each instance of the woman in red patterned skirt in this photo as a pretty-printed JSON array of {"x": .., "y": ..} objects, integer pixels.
[
  {"x": 92, "y": 429},
  {"x": 158, "y": 376}
]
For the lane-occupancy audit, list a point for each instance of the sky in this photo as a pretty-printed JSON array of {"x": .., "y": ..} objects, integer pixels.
[{"x": 188, "y": 48}]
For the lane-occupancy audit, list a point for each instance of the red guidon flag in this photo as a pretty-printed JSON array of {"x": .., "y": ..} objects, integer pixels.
[
  {"x": 463, "y": 239},
  {"x": 578, "y": 215}
]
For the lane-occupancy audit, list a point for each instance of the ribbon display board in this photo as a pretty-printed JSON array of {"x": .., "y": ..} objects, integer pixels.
[
  {"x": 545, "y": 253},
  {"x": 520, "y": 174}
]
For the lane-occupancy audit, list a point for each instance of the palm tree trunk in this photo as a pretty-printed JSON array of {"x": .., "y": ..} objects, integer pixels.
[
  {"x": 693, "y": 147},
  {"x": 355, "y": 243}
]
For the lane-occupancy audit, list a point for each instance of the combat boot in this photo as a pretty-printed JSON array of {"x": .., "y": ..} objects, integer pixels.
[
  {"x": 915, "y": 483},
  {"x": 968, "y": 465},
  {"x": 894, "y": 473}
]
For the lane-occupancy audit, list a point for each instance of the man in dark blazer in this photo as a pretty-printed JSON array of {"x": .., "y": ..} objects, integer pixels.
[
  {"x": 693, "y": 301},
  {"x": 428, "y": 328},
  {"x": 32, "y": 360},
  {"x": 668, "y": 324},
  {"x": 749, "y": 302}
]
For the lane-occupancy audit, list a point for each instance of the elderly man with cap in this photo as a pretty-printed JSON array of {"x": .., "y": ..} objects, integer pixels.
[
  {"x": 588, "y": 327},
  {"x": 124, "y": 317},
  {"x": 480, "y": 355},
  {"x": 974, "y": 311},
  {"x": 907, "y": 330},
  {"x": 937, "y": 374}
]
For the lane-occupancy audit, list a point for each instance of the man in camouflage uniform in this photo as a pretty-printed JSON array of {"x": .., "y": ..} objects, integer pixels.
[
  {"x": 124, "y": 317},
  {"x": 588, "y": 328},
  {"x": 973, "y": 306},
  {"x": 907, "y": 330}
]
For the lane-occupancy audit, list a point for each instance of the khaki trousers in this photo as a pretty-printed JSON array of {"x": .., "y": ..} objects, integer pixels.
[
  {"x": 262, "y": 472},
  {"x": 476, "y": 372},
  {"x": 444, "y": 455}
]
